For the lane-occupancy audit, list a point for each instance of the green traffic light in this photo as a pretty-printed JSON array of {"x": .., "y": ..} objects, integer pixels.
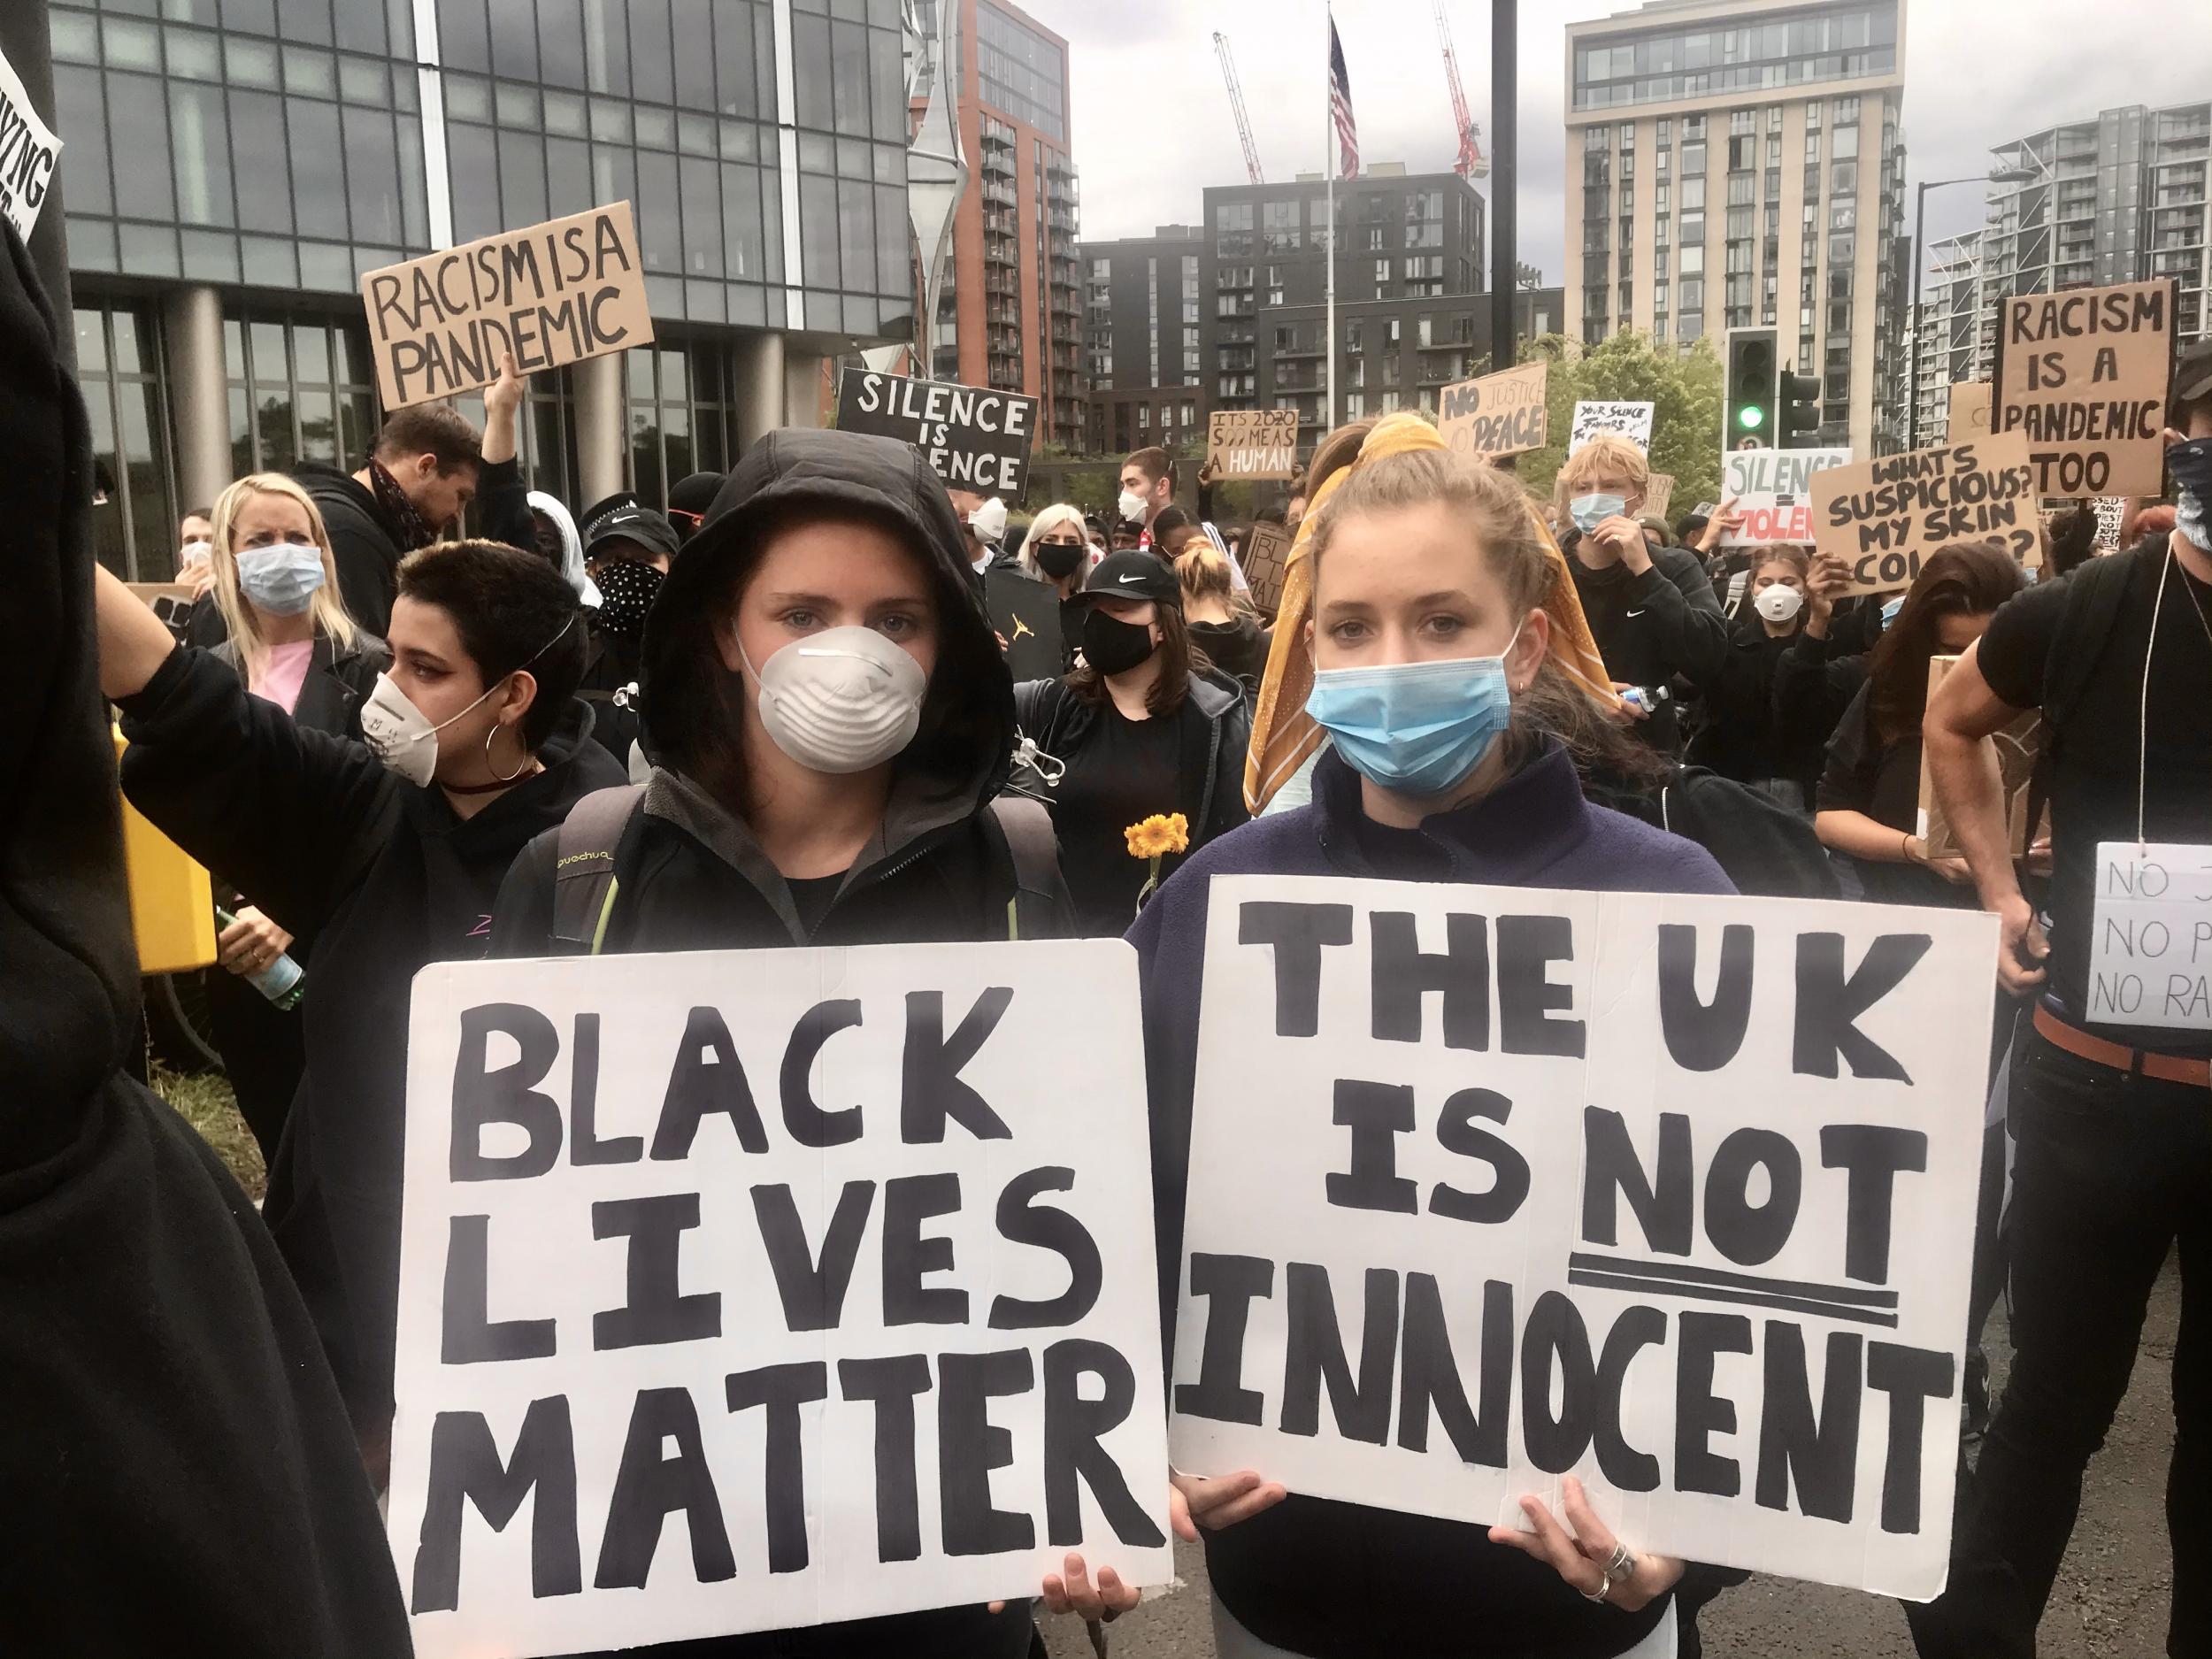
[{"x": 1751, "y": 418}]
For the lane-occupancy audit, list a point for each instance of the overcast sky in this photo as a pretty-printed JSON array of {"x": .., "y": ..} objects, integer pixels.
[{"x": 1152, "y": 127}]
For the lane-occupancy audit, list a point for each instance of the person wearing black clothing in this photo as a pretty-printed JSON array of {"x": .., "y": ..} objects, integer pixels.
[
  {"x": 1739, "y": 735},
  {"x": 1653, "y": 615},
  {"x": 1142, "y": 727},
  {"x": 831, "y": 723},
  {"x": 387, "y": 864},
  {"x": 179, "y": 1470},
  {"x": 1057, "y": 551},
  {"x": 1225, "y": 628},
  {"x": 629, "y": 554},
  {"x": 689, "y": 498},
  {"x": 2112, "y": 1121},
  {"x": 421, "y": 475}
]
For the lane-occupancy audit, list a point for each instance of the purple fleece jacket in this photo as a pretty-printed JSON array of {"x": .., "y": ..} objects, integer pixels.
[{"x": 1338, "y": 1580}]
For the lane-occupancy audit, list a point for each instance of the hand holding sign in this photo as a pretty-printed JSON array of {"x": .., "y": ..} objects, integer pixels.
[{"x": 1591, "y": 1560}]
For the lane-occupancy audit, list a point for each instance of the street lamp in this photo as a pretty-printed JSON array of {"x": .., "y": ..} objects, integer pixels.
[{"x": 1996, "y": 175}]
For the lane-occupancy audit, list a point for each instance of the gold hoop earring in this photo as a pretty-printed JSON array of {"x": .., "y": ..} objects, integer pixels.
[{"x": 493, "y": 732}]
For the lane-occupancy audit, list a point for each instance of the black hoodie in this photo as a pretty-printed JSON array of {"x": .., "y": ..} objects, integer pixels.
[
  {"x": 365, "y": 543},
  {"x": 386, "y": 878},
  {"x": 178, "y": 1469}
]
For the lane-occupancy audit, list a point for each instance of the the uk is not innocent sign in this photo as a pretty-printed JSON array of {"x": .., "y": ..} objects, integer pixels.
[
  {"x": 556, "y": 293},
  {"x": 972, "y": 439},
  {"x": 1492, "y": 1185},
  {"x": 754, "y": 1290}
]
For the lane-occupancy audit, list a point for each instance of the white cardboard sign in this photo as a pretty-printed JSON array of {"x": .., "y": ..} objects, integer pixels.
[
  {"x": 28, "y": 150},
  {"x": 1773, "y": 491},
  {"x": 752, "y": 1290},
  {"x": 1631, "y": 421},
  {"x": 1492, "y": 1185},
  {"x": 2150, "y": 955}
]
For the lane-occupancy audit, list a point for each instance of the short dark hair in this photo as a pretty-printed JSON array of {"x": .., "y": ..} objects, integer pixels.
[
  {"x": 207, "y": 513},
  {"x": 436, "y": 429},
  {"x": 1169, "y": 519},
  {"x": 512, "y": 611},
  {"x": 1153, "y": 464}
]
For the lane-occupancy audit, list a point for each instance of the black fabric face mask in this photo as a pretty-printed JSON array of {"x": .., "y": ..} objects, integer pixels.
[
  {"x": 1112, "y": 646},
  {"x": 1058, "y": 560}
]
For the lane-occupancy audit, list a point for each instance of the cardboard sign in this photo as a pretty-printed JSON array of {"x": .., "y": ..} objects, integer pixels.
[
  {"x": 2112, "y": 511},
  {"x": 28, "y": 150},
  {"x": 1631, "y": 421},
  {"x": 1496, "y": 414},
  {"x": 2083, "y": 375},
  {"x": 172, "y": 602},
  {"x": 1658, "y": 495},
  {"x": 2150, "y": 958},
  {"x": 974, "y": 440},
  {"x": 2015, "y": 750},
  {"x": 1026, "y": 614},
  {"x": 1252, "y": 442},
  {"x": 1265, "y": 558},
  {"x": 1773, "y": 491},
  {"x": 554, "y": 294},
  {"x": 1969, "y": 412},
  {"x": 1492, "y": 1185},
  {"x": 752, "y": 1290},
  {"x": 1883, "y": 518}
]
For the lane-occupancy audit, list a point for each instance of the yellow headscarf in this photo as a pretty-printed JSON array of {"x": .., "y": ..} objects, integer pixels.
[{"x": 1284, "y": 735}]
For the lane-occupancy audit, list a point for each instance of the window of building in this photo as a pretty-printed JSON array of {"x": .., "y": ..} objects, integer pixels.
[
  {"x": 1847, "y": 111},
  {"x": 1382, "y": 273},
  {"x": 1843, "y": 178},
  {"x": 1278, "y": 228},
  {"x": 1843, "y": 145},
  {"x": 1742, "y": 121},
  {"x": 679, "y": 413},
  {"x": 1694, "y": 159},
  {"x": 134, "y": 510},
  {"x": 1693, "y": 227},
  {"x": 1692, "y": 261},
  {"x": 300, "y": 389},
  {"x": 1021, "y": 72},
  {"x": 1741, "y": 190},
  {"x": 1693, "y": 193}
]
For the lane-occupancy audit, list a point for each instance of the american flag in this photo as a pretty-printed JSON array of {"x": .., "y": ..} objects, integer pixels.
[{"x": 1341, "y": 105}]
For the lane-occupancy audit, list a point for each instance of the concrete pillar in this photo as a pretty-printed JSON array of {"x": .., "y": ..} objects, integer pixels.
[
  {"x": 760, "y": 387},
  {"x": 802, "y": 388},
  {"x": 601, "y": 437},
  {"x": 199, "y": 399}
]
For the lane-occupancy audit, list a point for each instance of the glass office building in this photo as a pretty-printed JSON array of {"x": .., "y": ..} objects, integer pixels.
[{"x": 232, "y": 166}]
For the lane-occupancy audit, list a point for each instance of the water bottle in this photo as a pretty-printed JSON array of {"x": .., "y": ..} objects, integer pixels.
[{"x": 283, "y": 981}]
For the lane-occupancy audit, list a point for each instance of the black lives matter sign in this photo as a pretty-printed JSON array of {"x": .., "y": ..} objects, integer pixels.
[
  {"x": 1489, "y": 1187},
  {"x": 973, "y": 439},
  {"x": 755, "y": 1290}
]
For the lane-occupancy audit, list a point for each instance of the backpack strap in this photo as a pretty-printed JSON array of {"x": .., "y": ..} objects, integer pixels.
[
  {"x": 584, "y": 883},
  {"x": 1027, "y": 828}
]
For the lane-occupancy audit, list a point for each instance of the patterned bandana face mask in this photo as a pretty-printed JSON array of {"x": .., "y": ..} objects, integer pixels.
[
  {"x": 626, "y": 592},
  {"x": 415, "y": 531}
]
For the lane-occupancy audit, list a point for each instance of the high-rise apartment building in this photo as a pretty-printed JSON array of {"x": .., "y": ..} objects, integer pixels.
[
  {"x": 2119, "y": 197},
  {"x": 1142, "y": 327},
  {"x": 1011, "y": 316},
  {"x": 1741, "y": 165}
]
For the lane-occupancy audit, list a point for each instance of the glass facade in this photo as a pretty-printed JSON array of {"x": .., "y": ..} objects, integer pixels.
[
  {"x": 1832, "y": 42},
  {"x": 134, "y": 509},
  {"x": 1022, "y": 72}
]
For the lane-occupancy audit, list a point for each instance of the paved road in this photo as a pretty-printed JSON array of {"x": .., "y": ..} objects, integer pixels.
[{"x": 2111, "y": 1601}]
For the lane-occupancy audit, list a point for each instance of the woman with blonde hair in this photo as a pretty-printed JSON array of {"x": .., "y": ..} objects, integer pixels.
[
  {"x": 1223, "y": 623},
  {"x": 287, "y": 634},
  {"x": 1057, "y": 552}
]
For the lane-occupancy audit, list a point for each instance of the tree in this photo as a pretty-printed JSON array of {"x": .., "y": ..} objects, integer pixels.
[{"x": 1685, "y": 391}]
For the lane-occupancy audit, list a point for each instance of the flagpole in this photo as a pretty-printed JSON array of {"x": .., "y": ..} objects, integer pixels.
[{"x": 1328, "y": 164}]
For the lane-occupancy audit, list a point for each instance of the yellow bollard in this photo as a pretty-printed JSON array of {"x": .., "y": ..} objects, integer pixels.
[{"x": 173, "y": 908}]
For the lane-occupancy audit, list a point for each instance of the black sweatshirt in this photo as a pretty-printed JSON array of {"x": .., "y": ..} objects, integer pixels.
[
  {"x": 386, "y": 878},
  {"x": 179, "y": 1473},
  {"x": 1653, "y": 626}
]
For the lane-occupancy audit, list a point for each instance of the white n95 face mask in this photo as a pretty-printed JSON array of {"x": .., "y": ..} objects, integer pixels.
[
  {"x": 1131, "y": 504},
  {"x": 840, "y": 701},
  {"x": 1779, "y": 602},
  {"x": 401, "y": 736}
]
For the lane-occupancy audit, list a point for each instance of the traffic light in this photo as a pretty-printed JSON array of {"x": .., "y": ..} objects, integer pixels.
[
  {"x": 1797, "y": 404},
  {"x": 1752, "y": 385}
]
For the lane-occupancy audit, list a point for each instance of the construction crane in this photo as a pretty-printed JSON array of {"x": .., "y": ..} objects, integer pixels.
[
  {"x": 1472, "y": 164},
  {"x": 1236, "y": 106}
]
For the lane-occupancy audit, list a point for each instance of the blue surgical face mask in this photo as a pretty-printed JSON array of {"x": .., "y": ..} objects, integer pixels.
[
  {"x": 282, "y": 580},
  {"x": 1590, "y": 511},
  {"x": 1416, "y": 729},
  {"x": 1889, "y": 610}
]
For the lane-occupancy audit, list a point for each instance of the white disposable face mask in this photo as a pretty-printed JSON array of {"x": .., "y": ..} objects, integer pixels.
[
  {"x": 1779, "y": 601},
  {"x": 840, "y": 701},
  {"x": 1131, "y": 504},
  {"x": 988, "y": 521},
  {"x": 401, "y": 736},
  {"x": 196, "y": 553}
]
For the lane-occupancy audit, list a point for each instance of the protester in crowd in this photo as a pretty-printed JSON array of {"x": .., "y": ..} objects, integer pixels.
[
  {"x": 553, "y": 533},
  {"x": 2113, "y": 1133},
  {"x": 1689, "y": 529},
  {"x": 1171, "y": 532},
  {"x": 1128, "y": 533},
  {"x": 1094, "y": 531},
  {"x": 631, "y": 551},
  {"x": 388, "y": 856},
  {"x": 196, "y": 539},
  {"x": 1143, "y": 726},
  {"x": 832, "y": 720},
  {"x": 1222, "y": 622},
  {"x": 688, "y": 501},
  {"x": 1651, "y": 614},
  {"x": 178, "y": 1471},
  {"x": 1419, "y": 559},
  {"x": 1147, "y": 486},
  {"x": 288, "y": 636},
  {"x": 1656, "y": 534},
  {"x": 1739, "y": 735},
  {"x": 1056, "y": 553},
  {"x": 2073, "y": 538}
]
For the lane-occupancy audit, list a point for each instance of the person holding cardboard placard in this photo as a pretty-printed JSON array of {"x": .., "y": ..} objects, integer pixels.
[
  {"x": 1429, "y": 637},
  {"x": 2111, "y": 1097}
]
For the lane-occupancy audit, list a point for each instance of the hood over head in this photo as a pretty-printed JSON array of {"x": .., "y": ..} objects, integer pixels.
[
  {"x": 961, "y": 755},
  {"x": 572, "y": 570}
]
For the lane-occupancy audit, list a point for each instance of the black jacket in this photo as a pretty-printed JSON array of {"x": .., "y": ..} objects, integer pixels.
[
  {"x": 1738, "y": 733},
  {"x": 386, "y": 878},
  {"x": 1813, "y": 683},
  {"x": 178, "y": 1471},
  {"x": 366, "y": 543},
  {"x": 1210, "y": 780},
  {"x": 337, "y": 684},
  {"x": 1653, "y": 626},
  {"x": 1237, "y": 647}
]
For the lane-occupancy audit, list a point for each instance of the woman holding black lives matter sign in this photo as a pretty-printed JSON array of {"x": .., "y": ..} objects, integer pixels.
[
  {"x": 1416, "y": 583},
  {"x": 833, "y": 722}
]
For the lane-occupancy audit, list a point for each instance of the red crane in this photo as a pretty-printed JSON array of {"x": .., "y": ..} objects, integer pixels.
[
  {"x": 1236, "y": 106},
  {"x": 1472, "y": 164}
]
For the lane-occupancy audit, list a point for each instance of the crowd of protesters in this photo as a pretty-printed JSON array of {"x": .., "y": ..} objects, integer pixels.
[{"x": 389, "y": 742}]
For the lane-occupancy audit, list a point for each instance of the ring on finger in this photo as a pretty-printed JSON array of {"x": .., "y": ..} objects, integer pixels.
[
  {"x": 1619, "y": 1565},
  {"x": 1601, "y": 1594}
]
